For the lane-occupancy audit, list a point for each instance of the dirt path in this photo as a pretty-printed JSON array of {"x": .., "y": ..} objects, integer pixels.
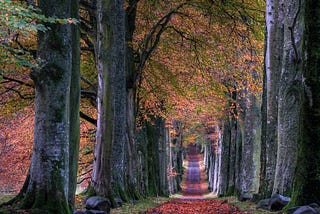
[
  {"x": 194, "y": 185},
  {"x": 194, "y": 188}
]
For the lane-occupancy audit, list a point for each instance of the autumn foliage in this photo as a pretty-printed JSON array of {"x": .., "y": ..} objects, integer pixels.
[{"x": 195, "y": 207}]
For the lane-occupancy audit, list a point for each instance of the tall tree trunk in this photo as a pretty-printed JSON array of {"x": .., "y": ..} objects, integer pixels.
[
  {"x": 74, "y": 106},
  {"x": 153, "y": 158},
  {"x": 111, "y": 84},
  {"x": 120, "y": 99},
  {"x": 307, "y": 180},
  {"x": 250, "y": 145},
  {"x": 273, "y": 64},
  {"x": 162, "y": 158},
  {"x": 232, "y": 155},
  {"x": 133, "y": 171},
  {"x": 289, "y": 102},
  {"x": 48, "y": 185},
  {"x": 224, "y": 159}
]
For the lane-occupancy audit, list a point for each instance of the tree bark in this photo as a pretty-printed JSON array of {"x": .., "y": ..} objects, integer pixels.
[
  {"x": 133, "y": 171},
  {"x": 306, "y": 179},
  {"x": 224, "y": 159},
  {"x": 48, "y": 186},
  {"x": 250, "y": 154},
  {"x": 289, "y": 102},
  {"x": 74, "y": 106},
  {"x": 111, "y": 105},
  {"x": 273, "y": 64}
]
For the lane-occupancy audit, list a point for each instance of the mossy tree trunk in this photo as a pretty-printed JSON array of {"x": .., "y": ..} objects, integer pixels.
[
  {"x": 109, "y": 150},
  {"x": 250, "y": 147},
  {"x": 48, "y": 186},
  {"x": 306, "y": 179},
  {"x": 289, "y": 102}
]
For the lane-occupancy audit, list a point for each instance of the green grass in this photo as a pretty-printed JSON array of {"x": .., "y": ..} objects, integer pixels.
[
  {"x": 5, "y": 198},
  {"x": 140, "y": 207},
  {"x": 248, "y": 206}
]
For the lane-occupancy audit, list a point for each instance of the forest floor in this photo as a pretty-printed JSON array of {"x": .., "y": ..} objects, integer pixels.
[{"x": 194, "y": 197}]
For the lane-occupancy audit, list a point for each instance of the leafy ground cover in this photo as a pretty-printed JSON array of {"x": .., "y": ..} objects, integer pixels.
[{"x": 141, "y": 206}]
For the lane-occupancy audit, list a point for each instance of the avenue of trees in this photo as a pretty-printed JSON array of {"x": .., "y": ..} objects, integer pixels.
[{"x": 162, "y": 74}]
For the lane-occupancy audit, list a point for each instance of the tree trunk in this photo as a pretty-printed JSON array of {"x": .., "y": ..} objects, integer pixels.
[
  {"x": 273, "y": 64},
  {"x": 217, "y": 161},
  {"x": 232, "y": 165},
  {"x": 162, "y": 158},
  {"x": 250, "y": 145},
  {"x": 48, "y": 185},
  {"x": 74, "y": 106},
  {"x": 111, "y": 102},
  {"x": 306, "y": 180},
  {"x": 120, "y": 98},
  {"x": 153, "y": 158},
  {"x": 133, "y": 171},
  {"x": 224, "y": 159},
  {"x": 289, "y": 102}
]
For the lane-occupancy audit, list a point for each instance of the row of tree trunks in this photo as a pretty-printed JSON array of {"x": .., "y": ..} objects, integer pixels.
[
  {"x": 128, "y": 164},
  {"x": 289, "y": 145},
  {"x": 282, "y": 100},
  {"x": 243, "y": 157},
  {"x": 157, "y": 157},
  {"x": 212, "y": 158},
  {"x": 233, "y": 160}
]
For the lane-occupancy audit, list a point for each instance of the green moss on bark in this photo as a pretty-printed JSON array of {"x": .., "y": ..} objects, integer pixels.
[{"x": 307, "y": 175}]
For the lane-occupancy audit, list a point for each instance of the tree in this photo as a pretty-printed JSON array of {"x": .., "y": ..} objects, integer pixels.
[
  {"x": 273, "y": 63},
  {"x": 282, "y": 98},
  {"x": 108, "y": 169},
  {"x": 306, "y": 177},
  {"x": 74, "y": 135},
  {"x": 47, "y": 186},
  {"x": 289, "y": 96}
]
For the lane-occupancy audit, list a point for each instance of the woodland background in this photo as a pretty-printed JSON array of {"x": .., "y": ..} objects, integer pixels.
[{"x": 238, "y": 78}]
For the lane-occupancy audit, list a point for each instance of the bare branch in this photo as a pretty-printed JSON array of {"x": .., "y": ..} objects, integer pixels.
[
  {"x": 25, "y": 97},
  {"x": 153, "y": 38},
  {"x": 293, "y": 42},
  {"x": 89, "y": 83},
  {"x": 17, "y": 81},
  {"x": 88, "y": 118}
]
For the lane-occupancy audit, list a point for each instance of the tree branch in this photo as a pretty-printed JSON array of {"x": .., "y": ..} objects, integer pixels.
[
  {"x": 88, "y": 118},
  {"x": 153, "y": 38},
  {"x": 17, "y": 81},
  {"x": 25, "y": 97},
  {"x": 293, "y": 42}
]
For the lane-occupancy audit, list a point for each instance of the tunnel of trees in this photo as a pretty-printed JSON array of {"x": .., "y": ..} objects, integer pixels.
[{"x": 104, "y": 96}]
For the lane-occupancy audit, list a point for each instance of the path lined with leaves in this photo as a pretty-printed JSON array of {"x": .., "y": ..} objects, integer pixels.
[
  {"x": 193, "y": 189},
  {"x": 194, "y": 186}
]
